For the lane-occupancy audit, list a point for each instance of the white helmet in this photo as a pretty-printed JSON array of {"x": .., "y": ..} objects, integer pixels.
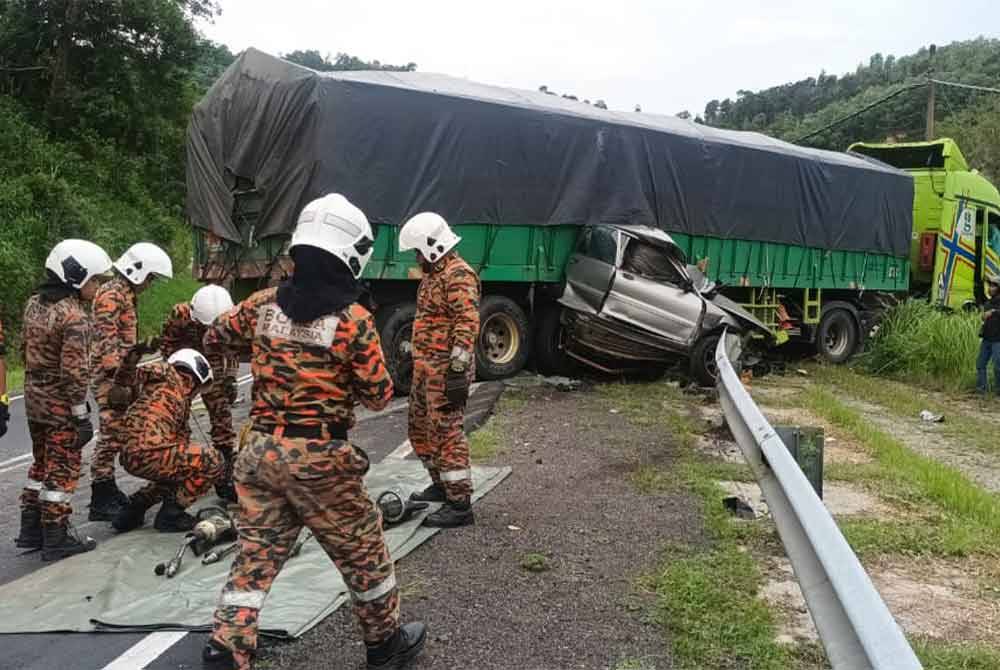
[
  {"x": 333, "y": 224},
  {"x": 143, "y": 259},
  {"x": 194, "y": 362},
  {"x": 76, "y": 261},
  {"x": 429, "y": 234},
  {"x": 209, "y": 302}
]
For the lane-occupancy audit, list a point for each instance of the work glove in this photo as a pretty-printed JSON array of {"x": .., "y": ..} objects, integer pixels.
[
  {"x": 456, "y": 385},
  {"x": 120, "y": 397},
  {"x": 229, "y": 389},
  {"x": 4, "y": 414},
  {"x": 150, "y": 345},
  {"x": 84, "y": 431}
]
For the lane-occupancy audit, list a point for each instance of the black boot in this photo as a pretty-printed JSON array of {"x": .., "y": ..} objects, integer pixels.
[
  {"x": 215, "y": 655},
  {"x": 62, "y": 540},
  {"x": 106, "y": 501},
  {"x": 30, "y": 536},
  {"x": 452, "y": 515},
  {"x": 402, "y": 647},
  {"x": 132, "y": 515},
  {"x": 172, "y": 518},
  {"x": 432, "y": 494}
]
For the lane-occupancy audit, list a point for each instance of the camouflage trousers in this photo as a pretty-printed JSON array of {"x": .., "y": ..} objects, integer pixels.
[
  {"x": 102, "y": 461},
  {"x": 54, "y": 473},
  {"x": 437, "y": 431},
  {"x": 184, "y": 472},
  {"x": 284, "y": 484},
  {"x": 220, "y": 412}
]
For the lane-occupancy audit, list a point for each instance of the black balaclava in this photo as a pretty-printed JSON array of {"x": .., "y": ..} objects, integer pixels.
[
  {"x": 320, "y": 285},
  {"x": 53, "y": 289}
]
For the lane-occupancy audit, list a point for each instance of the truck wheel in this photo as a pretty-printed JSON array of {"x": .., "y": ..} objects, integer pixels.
[
  {"x": 550, "y": 352},
  {"x": 395, "y": 328},
  {"x": 504, "y": 343},
  {"x": 837, "y": 336},
  {"x": 702, "y": 367}
]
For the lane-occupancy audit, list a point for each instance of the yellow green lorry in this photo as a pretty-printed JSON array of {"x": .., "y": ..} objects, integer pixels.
[{"x": 623, "y": 241}]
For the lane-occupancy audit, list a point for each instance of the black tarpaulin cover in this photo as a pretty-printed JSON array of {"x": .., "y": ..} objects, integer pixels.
[{"x": 398, "y": 143}]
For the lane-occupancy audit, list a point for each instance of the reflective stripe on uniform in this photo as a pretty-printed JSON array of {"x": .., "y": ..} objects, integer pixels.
[
  {"x": 79, "y": 411},
  {"x": 33, "y": 485},
  {"x": 456, "y": 475},
  {"x": 379, "y": 591},
  {"x": 250, "y": 599},
  {"x": 48, "y": 495}
]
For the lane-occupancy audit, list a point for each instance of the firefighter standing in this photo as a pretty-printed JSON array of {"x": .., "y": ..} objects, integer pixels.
[
  {"x": 116, "y": 332},
  {"x": 989, "y": 348},
  {"x": 4, "y": 400},
  {"x": 315, "y": 352},
  {"x": 185, "y": 329},
  {"x": 56, "y": 343},
  {"x": 445, "y": 329},
  {"x": 156, "y": 445}
]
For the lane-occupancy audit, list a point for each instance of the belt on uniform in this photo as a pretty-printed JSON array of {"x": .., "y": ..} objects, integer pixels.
[{"x": 326, "y": 431}]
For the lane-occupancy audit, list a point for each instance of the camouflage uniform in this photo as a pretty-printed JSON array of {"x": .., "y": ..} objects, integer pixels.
[
  {"x": 447, "y": 317},
  {"x": 182, "y": 331},
  {"x": 115, "y": 332},
  {"x": 156, "y": 444},
  {"x": 306, "y": 377},
  {"x": 56, "y": 343}
]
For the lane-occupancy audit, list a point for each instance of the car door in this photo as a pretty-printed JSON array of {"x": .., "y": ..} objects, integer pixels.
[
  {"x": 591, "y": 268},
  {"x": 648, "y": 292}
]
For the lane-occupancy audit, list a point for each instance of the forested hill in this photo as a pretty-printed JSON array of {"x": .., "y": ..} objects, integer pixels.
[
  {"x": 794, "y": 110},
  {"x": 94, "y": 104}
]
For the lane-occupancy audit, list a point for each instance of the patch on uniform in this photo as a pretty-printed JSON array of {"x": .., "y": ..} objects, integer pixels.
[{"x": 272, "y": 322}]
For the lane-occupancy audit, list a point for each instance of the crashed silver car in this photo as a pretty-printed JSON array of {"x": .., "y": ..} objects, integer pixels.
[{"x": 633, "y": 303}]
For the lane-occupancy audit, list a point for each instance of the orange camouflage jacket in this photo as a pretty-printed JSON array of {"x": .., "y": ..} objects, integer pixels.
[
  {"x": 447, "y": 311},
  {"x": 56, "y": 347},
  {"x": 116, "y": 328},
  {"x": 158, "y": 419},
  {"x": 306, "y": 374},
  {"x": 183, "y": 331}
]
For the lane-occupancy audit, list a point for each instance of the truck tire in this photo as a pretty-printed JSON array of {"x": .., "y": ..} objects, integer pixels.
[
  {"x": 838, "y": 335},
  {"x": 504, "y": 338},
  {"x": 702, "y": 364},
  {"x": 395, "y": 328},
  {"x": 550, "y": 353}
]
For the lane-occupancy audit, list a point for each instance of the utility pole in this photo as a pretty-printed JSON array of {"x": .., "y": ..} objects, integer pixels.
[
  {"x": 931, "y": 102},
  {"x": 931, "y": 94}
]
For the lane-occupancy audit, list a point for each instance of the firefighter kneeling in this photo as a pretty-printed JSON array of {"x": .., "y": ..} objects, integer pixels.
[{"x": 156, "y": 445}]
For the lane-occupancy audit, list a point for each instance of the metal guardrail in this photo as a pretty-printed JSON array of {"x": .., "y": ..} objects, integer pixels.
[{"x": 855, "y": 626}]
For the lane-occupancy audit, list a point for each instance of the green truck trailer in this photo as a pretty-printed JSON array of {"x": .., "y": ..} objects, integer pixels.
[{"x": 812, "y": 244}]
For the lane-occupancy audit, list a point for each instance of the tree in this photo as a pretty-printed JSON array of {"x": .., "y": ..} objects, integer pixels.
[
  {"x": 686, "y": 115},
  {"x": 312, "y": 59}
]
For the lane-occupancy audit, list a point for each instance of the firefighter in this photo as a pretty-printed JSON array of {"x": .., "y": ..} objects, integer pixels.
[
  {"x": 185, "y": 329},
  {"x": 989, "y": 348},
  {"x": 156, "y": 445},
  {"x": 56, "y": 347},
  {"x": 445, "y": 329},
  {"x": 116, "y": 333},
  {"x": 4, "y": 400},
  {"x": 315, "y": 352}
]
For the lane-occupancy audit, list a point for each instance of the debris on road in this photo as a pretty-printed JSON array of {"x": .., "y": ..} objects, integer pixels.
[{"x": 931, "y": 417}]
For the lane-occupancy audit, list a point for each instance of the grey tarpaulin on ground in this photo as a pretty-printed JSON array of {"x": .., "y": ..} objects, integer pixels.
[
  {"x": 113, "y": 588},
  {"x": 398, "y": 143}
]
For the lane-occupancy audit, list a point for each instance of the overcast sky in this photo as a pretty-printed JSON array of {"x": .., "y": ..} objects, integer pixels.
[{"x": 663, "y": 54}]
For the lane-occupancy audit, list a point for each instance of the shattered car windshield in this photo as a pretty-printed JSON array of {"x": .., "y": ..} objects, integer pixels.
[{"x": 651, "y": 262}]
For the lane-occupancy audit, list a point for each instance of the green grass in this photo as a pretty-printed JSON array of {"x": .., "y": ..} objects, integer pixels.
[
  {"x": 535, "y": 562},
  {"x": 706, "y": 593},
  {"x": 485, "y": 443},
  {"x": 904, "y": 401},
  {"x": 920, "y": 343},
  {"x": 937, "y": 655},
  {"x": 157, "y": 301},
  {"x": 964, "y": 519}
]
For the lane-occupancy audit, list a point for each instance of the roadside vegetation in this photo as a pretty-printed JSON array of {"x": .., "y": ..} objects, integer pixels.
[{"x": 919, "y": 343}]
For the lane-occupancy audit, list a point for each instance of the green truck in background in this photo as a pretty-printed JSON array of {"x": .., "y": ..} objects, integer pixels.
[{"x": 592, "y": 280}]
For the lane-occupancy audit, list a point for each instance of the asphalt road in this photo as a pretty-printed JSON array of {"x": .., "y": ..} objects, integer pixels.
[{"x": 379, "y": 434}]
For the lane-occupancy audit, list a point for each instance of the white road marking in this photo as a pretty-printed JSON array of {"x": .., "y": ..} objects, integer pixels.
[
  {"x": 14, "y": 460},
  {"x": 146, "y": 650},
  {"x": 401, "y": 452}
]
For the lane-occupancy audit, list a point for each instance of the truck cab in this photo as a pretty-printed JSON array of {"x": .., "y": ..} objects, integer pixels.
[{"x": 956, "y": 220}]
